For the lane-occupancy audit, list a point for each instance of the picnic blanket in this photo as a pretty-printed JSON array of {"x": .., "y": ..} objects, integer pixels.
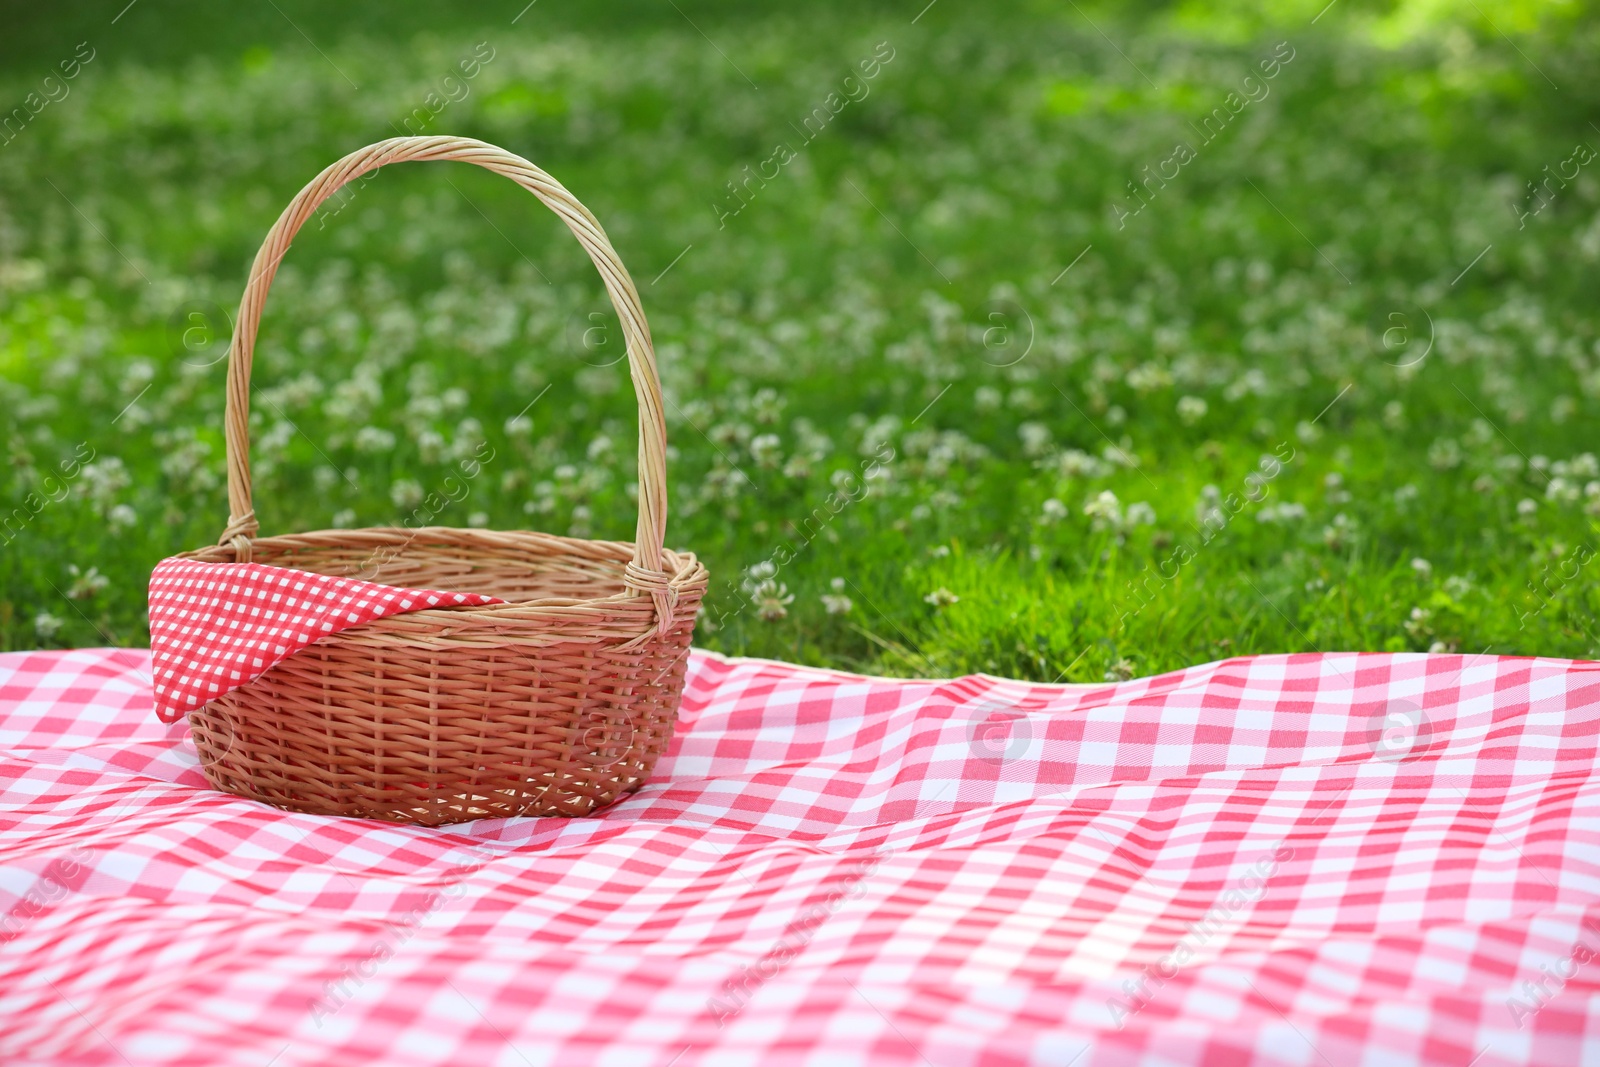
[{"x": 1306, "y": 859}]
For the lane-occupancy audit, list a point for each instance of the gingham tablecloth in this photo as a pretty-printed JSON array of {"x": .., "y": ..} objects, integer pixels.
[
  {"x": 1313, "y": 859},
  {"x": 217, "y": 626}
]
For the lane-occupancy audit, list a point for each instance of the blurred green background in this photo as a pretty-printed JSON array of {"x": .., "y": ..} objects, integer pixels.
[{"x": 1072, "y": 342}]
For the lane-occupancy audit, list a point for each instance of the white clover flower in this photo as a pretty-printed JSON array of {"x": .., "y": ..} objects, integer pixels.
[
  {"x": 544, "y": 499},
  {"x": 47, "y": 625},
  {"x": 1251, "y": 381},
  {"x": 1076, "y": 463},
  {"x": 187, "y": 464},
  {"x": 276, "y": 439},
  {"x": 469, "y": 435},
  {"x": 355, "y": 398},
  {"x": 86, "y": 585},
  {"x": 104, "y": 479},
  {"x": 1120, "y": 456},
  {"x": 122, "y": 517},
  {"x": 836, "y": 602},
  {"x": 1421, "y": 566},
  {"x": 1281, "y": 513},
  {"x": 478, "y": 519},
  {"x": 877, "y": 434},
  {"x": 766, "y": 406},
  {"x": 1148, "y": 377},
  {"x": 344, "y": 518},
  {"x": 424, "y": 408},
  {"x": 1139, "y": 513},
  {"x": 1335, "y": 534},
  {"x": 941, "y": 598},
  {"x": 1053, "y": 511},
  {"x": 431, "y": 446},
  {"x": 296, "y": 393},
  {"x": 731, "y": 433},
  {"x": 1457, "y": 586},
  {"x": 135, "y": 417},
  {"x": 1561, "y": 490},
  {"x": 1444, "y": 454},
  {"x": 1035, "y": 438},
  {"x": 406, "y": 494},
  {"x": 1120, "y": 671},
  {"x": 725, "y": 482},
  {"x": 1191, "y": 409},
  {"x": 1104, "y": 510},
  {"x": 772, "y": 599},
  {"x": 1417, "y": 625},
  {"x": 595, "y": 479},
  {"x": 373, "y": 440},
  {"x": 756, "y": 577},
  {"x": 764, "y": 448},
  {"x": 1526, "y": 507}
]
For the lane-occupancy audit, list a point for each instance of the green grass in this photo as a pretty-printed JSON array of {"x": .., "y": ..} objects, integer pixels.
[{"x": 1296, "y": 328}]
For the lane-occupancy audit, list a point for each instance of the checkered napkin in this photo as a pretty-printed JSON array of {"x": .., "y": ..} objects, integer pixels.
[
  {"x": 217, "y": 626},
  {"x": 1316, "y": 860}
]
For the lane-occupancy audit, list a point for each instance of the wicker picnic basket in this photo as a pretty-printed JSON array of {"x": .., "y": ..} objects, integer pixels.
[{"x": 557, "y": 702}]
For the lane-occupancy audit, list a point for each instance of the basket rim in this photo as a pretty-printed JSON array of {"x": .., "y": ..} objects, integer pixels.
[{"x": 687, "y": 572}]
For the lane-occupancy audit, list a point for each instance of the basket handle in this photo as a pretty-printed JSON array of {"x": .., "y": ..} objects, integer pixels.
[{"x": 644, "y": 574}]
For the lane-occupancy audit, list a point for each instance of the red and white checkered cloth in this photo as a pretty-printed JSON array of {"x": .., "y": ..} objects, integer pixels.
[
  {"x": 217, "y": 626},
  {"x": 1308, "y": 859}
]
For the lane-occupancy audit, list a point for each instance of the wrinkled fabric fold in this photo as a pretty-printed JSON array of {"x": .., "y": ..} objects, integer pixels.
[
  {"x": 1377, "y": 858},
  {"x": 217, "y": 626}
]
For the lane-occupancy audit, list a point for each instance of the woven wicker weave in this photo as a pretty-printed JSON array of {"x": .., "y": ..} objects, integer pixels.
[{"x": 555, "y": 703}]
